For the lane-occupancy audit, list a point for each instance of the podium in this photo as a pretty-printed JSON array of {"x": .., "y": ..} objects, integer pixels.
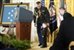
[{"x": 23, "y": 24}]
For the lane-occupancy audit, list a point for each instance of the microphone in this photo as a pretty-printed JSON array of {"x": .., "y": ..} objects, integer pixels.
[{"x": 16, "y": 13}]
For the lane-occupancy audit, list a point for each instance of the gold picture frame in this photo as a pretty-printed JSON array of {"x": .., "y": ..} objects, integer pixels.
[{"x": 9, "y": 5}]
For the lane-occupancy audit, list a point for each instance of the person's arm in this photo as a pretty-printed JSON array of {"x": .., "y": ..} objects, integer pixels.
[
  {"x": 34, "y": 15},
  {"x": 34, "y": 18},
  {"x": 59, "y": 41},
  {"x": 46, "y": 16}
]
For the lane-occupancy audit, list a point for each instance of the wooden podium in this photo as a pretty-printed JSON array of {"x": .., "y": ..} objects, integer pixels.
[
  {"x": 23, "y": 30},
  {"x": 23, "y": 24}
]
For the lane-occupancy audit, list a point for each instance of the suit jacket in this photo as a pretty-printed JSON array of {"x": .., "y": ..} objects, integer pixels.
[{"x": 66, "y": 33}]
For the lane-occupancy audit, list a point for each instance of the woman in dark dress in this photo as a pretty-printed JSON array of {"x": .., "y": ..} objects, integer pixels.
[{"x": 53, "y": 21}]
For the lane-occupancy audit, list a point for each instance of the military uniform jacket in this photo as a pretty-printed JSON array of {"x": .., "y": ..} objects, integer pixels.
[{"x": 44, "y": 18}]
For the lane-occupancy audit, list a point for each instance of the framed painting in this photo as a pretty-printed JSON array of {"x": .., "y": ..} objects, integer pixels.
[{"x": 9, "y": 12}]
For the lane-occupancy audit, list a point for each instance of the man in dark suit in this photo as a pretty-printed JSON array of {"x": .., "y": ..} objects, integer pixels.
[
  {"x": 41, "y": 17},
  {"x": 66, "y": 32}
]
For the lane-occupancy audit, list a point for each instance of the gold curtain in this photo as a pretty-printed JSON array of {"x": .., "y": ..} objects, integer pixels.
[
  {"x": 57, "y": 5},
  {"x": 70, "y": 6},
  {"x": 47, "y": 2},
  {"x": 56, "y": 2}
]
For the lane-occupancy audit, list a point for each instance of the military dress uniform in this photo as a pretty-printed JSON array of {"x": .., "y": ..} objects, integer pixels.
[{"x": 43, "y": 18}]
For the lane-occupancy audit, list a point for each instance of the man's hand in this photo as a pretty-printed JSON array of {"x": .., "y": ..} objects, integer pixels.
[{"x": 44, "y": 25}]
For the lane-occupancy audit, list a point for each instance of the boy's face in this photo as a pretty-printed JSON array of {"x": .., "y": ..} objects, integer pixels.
[{"x": 62, "y": 11}]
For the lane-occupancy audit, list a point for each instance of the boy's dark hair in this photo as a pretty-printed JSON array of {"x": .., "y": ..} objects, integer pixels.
[
  {"x": 38, "y": 2},
  {"x": 62, "y": 8}
]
